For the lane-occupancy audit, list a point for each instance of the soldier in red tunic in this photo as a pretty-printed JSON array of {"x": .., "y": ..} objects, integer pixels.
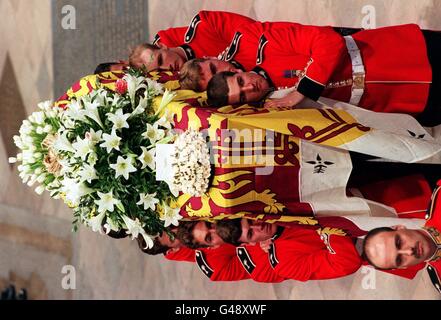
[
  {"x": 293, "y": 253},
  {"x": 207, "y": 35},
  {"x": 387, "y": 69},
  {"x": 401, "y": 248}
]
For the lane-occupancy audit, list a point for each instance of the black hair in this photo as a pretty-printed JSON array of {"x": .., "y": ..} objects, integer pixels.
[
  {"x": 217, "y": 89},
  {"x": 230, "y": 231},
  {"x": 185, "y": 234},
  {"x": 104, "y": 67}
]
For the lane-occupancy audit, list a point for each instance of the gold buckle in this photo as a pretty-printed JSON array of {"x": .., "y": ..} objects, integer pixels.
[{"x": 358, "y": 80}]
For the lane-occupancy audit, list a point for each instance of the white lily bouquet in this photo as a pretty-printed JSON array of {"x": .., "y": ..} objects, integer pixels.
[{"x": 98, "y": 155}]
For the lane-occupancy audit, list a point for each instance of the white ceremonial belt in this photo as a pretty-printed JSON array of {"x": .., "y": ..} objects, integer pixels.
[{"x": 358, "y": 72}]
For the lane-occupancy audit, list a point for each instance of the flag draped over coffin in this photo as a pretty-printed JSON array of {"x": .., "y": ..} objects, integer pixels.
[{"x": 285, "y": 164}]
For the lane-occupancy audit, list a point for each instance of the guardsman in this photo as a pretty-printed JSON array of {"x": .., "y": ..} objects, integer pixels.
[
  {"x": 386, "y": 69},
  {"x": 207, "y": 35},
  {"x": 293, "y": 253},
  {"x": 433, "y": 227},
  {"x": 305, "y": 254}
]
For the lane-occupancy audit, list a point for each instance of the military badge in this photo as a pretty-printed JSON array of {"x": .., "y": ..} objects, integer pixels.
[
  {"x": 245, "y": 259},
  {"x": 191, "y": 31},
  {"x": 234, "y": 46},
  {"x": 202, "y": 264},
  {"x": 262, "y": 42}
]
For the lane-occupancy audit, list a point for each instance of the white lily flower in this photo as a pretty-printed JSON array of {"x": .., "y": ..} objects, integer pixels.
[
  {"x": 66, "y": 166},
  {"x": 153, "y": 133},
  {"x": 93, "y": 136},
  {"x": 82, "y": 148},
  {"x": 74, "y": 190},
  {"x": 135, "y": 228},
  {"x": 96, "y": 223},
  {"x": 123, "y": 167},
  {"x": 107, "y": 202},
  {"x": 133, "y": 85},
  {"x": 91, "y": 111},
  {"x": 110, "y": 225},
  {"x": 148, "y": 201},
  {"x": 147, "y": 158},
  {"x": 119, "y": 119},
  {"x": 87, "y": 173},
  {"x": 68, "y": 123},
  {"x": 166, "y": 99},
  {"x": 155, "y": 86},
  {"x": 111, "y": 141},
  {"x": 166, "y": 120},
  {"x": 114, "y": 100},
  {"x": 141, "y": 106},
  {"x": 173, "y": 188},
  {"x": 62, "y": 143},
  {"x": 75, "y": 111},
  {"x": 101, "y": 97},
  {"x": 12, "y": 160},
  {"x": 171, "y": 216}
]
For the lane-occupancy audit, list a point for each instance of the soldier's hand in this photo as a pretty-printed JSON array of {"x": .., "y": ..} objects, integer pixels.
[
  {"x": 290, "y": 100},
  {"x": 265, "y": 245}
]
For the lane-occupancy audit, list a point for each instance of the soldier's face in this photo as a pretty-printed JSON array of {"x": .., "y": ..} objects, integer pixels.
[
  {"x": 400, "y": 248},
  {"x": 256, "y": 231},
  {"x": 204, "y": 233},
  {"x": 160, "y": 59},
  {"x": 246, "y": 87},
  {"x": 210, "y": 67}
]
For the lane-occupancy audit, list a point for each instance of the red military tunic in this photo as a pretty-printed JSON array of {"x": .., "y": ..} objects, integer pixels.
[
  {"x": 315, "y": 59},
  {"x": 302, "y": 254},
  {"x": 408, "y": 195},
  {"x": 207, "y": 35},
  {"x": 433, "y": 227},
  {"x": 218, "y": 264},
  {"x": 398, "y": 72},
  {"x": 281, "y": 46},
  {"x": 255, "y": 261},
  {"x": 182, "y": 254}
]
